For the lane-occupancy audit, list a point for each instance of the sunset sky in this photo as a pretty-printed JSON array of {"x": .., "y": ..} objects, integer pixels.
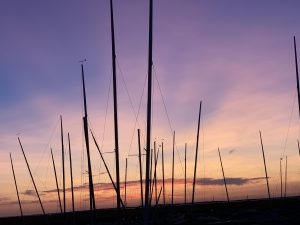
[{"x": 235, "y": 56}]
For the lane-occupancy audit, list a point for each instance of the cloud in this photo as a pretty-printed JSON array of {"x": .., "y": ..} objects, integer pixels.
[
  {"x": 30, "y": 192},
  {"x": 4, "y": 199},
  {"x": 231, "y": 151},
  {"x": 200, "y": 181},
  {"x": 229, "y": 181}
]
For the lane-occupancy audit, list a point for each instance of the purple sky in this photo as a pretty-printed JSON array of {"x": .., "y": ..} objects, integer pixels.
[{"x": 237, "y": 56}]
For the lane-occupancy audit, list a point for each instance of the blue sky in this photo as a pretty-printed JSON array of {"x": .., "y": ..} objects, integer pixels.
[{"x": 237, "y": 56}]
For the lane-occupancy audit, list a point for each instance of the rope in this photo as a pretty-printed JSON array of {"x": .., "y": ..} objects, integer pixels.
[
  {"x": 136, "y": 115},
  {"x": 41, "y": 158},
  {"x": 169, "y": 121},
  {"x": 288, "y": 130}
]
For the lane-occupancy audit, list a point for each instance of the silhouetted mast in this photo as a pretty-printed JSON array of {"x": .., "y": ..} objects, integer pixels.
[
  {"x": 196, "y": 156},
  {"x": 150, "y": 177},
  {"x": 155, "y": 182},
  {"x": 185, "y": 173},
  {"x": 223, "y": 175},
  {"x": 298, "y": 146},
  {"x": 71, "y": 173},
  {"x": 163, "y": 172},
  {"x": 86, "y": 135},
  {"x": 107, "y": 170},
  {"x": 280, "y": 178},
  {"x": 57, "y": 188},
  {"x": 262, "y": 148},
  {"x": 154, "y": 176},
  {"x": 149, "y": 100},
  {"x": 63, "y": 163},
  {"x": 297, "y": 74},
  {"x": 12, "y": 168},
  {"x": 141, "y": 169},
  {"x": 36, "y": 191},
  {"x": 285, "y": 178},
  {"x": 115, "y": 104},
  {"x": 125, "y": 181},
  {"x": 173, "y": 168}
]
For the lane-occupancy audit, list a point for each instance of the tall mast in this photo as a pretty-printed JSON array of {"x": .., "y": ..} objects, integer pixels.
[
  {"x": 263, "y": 152},
  {"x": 173, "y": 168},
  {"x": 71, "y": 174},
  {"x": 185, "y": 173},
  {"x": 36, "y": 191},
  {"x": 115, "y": 103},
  {"x": 57, "y": 188},
  {"x": 280, "y": 178},
  {"x": 285, "y": 178},
  {"x": 163, "y": 171},
  {"x": 197, "y": 143},
  {"x": 297, "y": 74},
  {"x": 140, "y": 163},
  {"x": 125, "y": 199},
  {"x": 63, "y": 163},
  {"x": 298, "y": 146},
  {"x": 149, "y": 100},
  {"x": 223, "y": 175},
  {"x": 12, "y": 168},
  {"x": 86, "y": 135}
]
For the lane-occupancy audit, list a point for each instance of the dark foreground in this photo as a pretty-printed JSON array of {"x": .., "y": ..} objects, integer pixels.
[{"x": 275, "y": 211}]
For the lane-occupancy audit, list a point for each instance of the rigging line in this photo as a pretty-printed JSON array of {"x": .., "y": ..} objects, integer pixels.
[
  {"x": 169, "y": 121},
  {"x": 105, "y": 120},
  {"x": 106, "y": 110},
  {"x": 41, "y": 158},
  {"x": 136, "y": 115},
  {"x": 289, "y": 126},
  {"x": 136, "y": 120},
  {"x": 46, "y": 147},
  {"x": 126, "y": 89}
]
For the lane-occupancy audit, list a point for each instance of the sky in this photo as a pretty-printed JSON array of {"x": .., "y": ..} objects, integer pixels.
[{"x": 235, "y": 56}]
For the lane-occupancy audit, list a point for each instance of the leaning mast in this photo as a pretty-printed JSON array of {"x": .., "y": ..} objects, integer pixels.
[
  {"x": 35, "y": 188},
  {"x": 196, "y": 156},
  {"x": 12, "y": 168},
  {"x": 56, "y": 182},
  {"x": 86, "y": 135},
  {"x": 297, "y": 74}
]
